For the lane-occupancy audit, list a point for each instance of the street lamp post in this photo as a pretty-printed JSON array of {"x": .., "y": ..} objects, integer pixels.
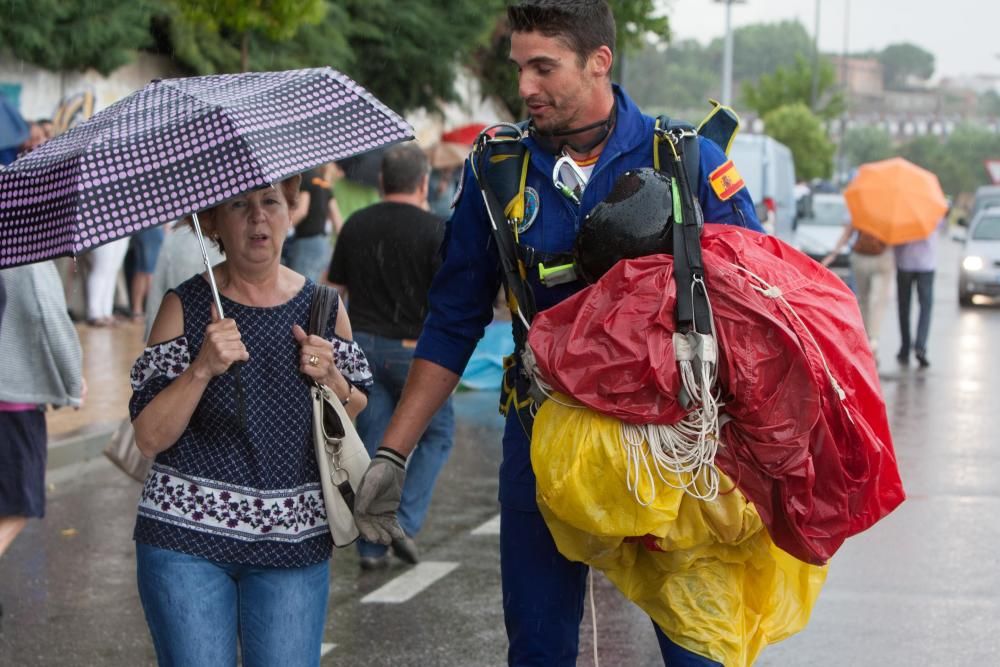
[
  {"x": 727, "y": 53},
  {"x": 815, "y": 68}
]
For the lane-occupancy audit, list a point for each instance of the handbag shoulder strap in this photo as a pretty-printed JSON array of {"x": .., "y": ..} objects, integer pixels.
[{"x": 323, "y": 302}]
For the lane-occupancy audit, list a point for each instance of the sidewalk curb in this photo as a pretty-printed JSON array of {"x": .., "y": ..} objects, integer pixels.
[{"x": 77, "y": 449}]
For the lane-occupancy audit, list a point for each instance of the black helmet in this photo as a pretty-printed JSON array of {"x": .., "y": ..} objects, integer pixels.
[{"x": 634, "y": 220}]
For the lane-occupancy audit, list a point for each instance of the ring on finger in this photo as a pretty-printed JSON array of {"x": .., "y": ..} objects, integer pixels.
[{"x": 313, "y": 360}]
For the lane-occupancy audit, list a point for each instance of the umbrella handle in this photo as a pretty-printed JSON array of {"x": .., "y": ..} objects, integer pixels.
[
  {"x": 241, "y": 404},
  {"x": 208, "y": 265},
  {"x": 234, "y": 369}
]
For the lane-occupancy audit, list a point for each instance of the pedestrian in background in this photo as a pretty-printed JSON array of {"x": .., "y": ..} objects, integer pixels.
[
  {"x": 146, "y": 248},
  {"x": 180, "y": 258},
  {"x": 36, "y": 137},
  {"x": 872, "y": 267},
  {"x": 40, "y": 365},
  {"x": 384, "y": 262},
  {"x": 915, "y": 265},
  {"x": 232, "y": 542},
  {"x": 48, "y": 128},
  {"x": 102, "y": 279},
  {"x": 316, "y": 217}
]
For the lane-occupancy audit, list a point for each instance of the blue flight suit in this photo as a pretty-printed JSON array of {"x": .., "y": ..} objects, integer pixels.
[{"x": 542, "y": 591}]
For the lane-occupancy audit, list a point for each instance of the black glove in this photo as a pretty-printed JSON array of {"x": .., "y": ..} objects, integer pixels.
[{"x": 378, "y": 495}]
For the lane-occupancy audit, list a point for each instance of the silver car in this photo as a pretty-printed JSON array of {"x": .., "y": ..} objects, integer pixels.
[
  {"x": 980, "y": 264},
  {"x": 817, "y": 231}
]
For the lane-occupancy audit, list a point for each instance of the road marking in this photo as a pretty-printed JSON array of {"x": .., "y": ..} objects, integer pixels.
[
  {"x": 491, "y": 527},
  {"x": 325, "y": 648},
  {"x": 408, "y": 584}
]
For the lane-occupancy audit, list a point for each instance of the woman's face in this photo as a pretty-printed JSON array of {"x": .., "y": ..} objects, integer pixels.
[{"x": 253, "y": 226}]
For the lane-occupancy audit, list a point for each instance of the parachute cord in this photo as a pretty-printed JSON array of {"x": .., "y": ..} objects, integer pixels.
[
  {"x": 531, "y": 368},
  {"x": 637, "y": 454},
  {"x": 774, "y": 292},
  {"x": 593, "y": 612}
]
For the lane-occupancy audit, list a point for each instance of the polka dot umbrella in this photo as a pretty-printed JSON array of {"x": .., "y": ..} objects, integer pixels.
[{"x": 179, "y": 146}]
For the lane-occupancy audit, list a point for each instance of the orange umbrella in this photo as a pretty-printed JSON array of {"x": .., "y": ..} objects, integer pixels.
[{"x": 895, "y": 200}]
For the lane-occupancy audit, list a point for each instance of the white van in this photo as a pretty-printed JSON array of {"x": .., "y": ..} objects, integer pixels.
[{"x": 768, "y": 169}]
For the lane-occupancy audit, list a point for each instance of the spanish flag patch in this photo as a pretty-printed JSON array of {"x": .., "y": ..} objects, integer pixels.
[{"x": 726, "y": 181}]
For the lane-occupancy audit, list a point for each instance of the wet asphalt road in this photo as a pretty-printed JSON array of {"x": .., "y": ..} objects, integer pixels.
[{"x": 920, "y": 588}]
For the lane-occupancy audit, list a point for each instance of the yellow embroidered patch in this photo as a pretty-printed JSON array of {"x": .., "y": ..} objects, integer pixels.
[{"x": 726, "y": 181}]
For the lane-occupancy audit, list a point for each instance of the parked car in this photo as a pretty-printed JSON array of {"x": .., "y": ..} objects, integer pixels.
[
  {"x": 979, "y": 272},
  {"x": 768, "y": 170},
  {"x": 820, "y": 226},
  {"x": 987, "y": 196}
]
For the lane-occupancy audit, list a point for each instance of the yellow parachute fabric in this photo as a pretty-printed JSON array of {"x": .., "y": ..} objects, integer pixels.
[{"x": 719, "y": 587}]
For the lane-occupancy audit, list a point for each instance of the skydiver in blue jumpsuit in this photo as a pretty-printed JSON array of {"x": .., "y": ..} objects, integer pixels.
[{"x": 563, "y": 51}]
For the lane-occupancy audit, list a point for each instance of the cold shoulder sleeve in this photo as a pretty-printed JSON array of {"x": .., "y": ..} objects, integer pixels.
[
  {"x": 155, "y": 369},
  {"x": 351, "y": 361}
]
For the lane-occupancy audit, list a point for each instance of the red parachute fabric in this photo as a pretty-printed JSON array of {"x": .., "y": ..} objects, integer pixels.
[{"x": 817, "y": 468}]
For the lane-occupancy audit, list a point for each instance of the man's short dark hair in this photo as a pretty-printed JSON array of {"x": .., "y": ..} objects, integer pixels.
[
  {"x": 585, "y": 25},
  {"x": 404, "y": 167}
]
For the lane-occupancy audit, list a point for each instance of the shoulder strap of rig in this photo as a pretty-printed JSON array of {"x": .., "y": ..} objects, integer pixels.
[{"x": 500, "y": 165}]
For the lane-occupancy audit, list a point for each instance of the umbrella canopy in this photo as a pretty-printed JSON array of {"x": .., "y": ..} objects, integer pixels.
[
  {"x": 179, "y": 146},
  {"x": 895, "y": 201}
]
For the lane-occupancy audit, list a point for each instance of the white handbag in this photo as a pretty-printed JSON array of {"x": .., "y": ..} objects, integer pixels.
[
  {"x": 340, "y": 454},
  {"x": 122, "y": 451},
  {"x": 342, "y": 460}
]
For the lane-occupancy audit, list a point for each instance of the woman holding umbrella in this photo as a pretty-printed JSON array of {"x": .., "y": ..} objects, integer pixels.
[{"x": 232, "y": 543}]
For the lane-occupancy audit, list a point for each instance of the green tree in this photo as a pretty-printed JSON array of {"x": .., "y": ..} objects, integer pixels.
[
  {"x": 867, "y": 144},
  {"x": 762, "y": 48},
  {"x": 381, "y": 44},
  {"x": 277, "y": 20},
  {"x": 901, "y": 61},
  {"x": 75, "y": 34},
  {"x": 791, "y": 85},
  {"x": 408, "y": 54},
  {"x": 637, "y": 23},
  {"x": 802, "y": 131},
  {"x": 958, "y": 159},
  {"x": 989, "y": 103},
  {"x": 673, "y": 80}
]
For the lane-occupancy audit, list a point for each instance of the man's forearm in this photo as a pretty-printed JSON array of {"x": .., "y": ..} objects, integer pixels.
[{"x": 428, "y": 386}]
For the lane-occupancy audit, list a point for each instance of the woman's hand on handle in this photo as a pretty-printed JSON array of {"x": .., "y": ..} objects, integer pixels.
[{"x": 223, "y": 346}]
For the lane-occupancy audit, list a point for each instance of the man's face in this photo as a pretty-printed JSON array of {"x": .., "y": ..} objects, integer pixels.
[{"x": 553, "y": 85}]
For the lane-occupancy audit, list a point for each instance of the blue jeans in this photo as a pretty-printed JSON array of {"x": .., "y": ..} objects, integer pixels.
[
  {"x": 390, "y": 363},
  {"x": 309, "y": 256},
  {"x": 924, "y": 281},
  {"x": 198, "y": 610},
  {"x": 543, "y": 598}
]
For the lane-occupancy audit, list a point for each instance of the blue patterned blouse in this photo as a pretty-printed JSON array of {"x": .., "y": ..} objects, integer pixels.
[{"x": 241, "y": 496}]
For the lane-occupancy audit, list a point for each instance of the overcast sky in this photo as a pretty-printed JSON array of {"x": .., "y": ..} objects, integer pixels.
[{"x": 962, "y": 34}]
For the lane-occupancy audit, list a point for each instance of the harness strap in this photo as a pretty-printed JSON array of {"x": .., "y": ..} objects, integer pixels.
[
  {"x": 496, "y": 169},
  {"x": 677, "y": 153}
]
